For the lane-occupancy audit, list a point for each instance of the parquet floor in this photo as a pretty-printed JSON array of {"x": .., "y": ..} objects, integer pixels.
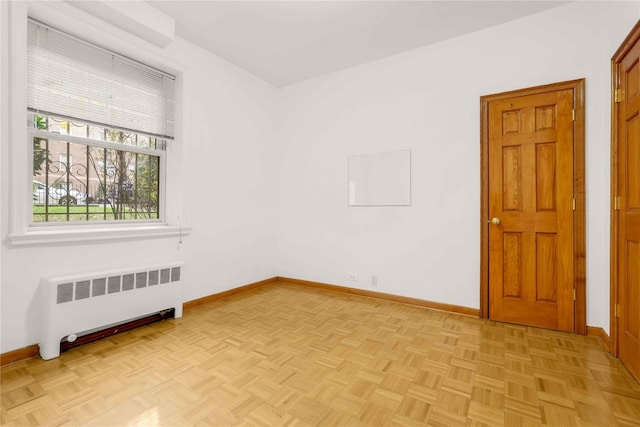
[{"x": 289, "y": 355}]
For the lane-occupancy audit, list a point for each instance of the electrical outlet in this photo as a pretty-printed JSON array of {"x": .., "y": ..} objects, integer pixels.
[
  {"x": 374, "y": 280},
  {"x": 352, "y": 276}
]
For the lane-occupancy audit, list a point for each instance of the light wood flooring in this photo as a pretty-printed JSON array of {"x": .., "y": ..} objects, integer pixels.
[{"x": 289, "y": 355}]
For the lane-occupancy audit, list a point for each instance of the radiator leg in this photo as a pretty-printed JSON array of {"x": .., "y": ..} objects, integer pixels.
[
  {"x": 50, "y": 348},
  {"x": 177, "y": 311}
]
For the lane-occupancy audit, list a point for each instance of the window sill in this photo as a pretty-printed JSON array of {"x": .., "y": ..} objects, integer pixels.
[{"x": 96, "y": 234}]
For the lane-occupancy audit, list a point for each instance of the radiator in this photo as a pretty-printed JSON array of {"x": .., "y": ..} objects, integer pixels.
[{"x": 75, "y": 305}]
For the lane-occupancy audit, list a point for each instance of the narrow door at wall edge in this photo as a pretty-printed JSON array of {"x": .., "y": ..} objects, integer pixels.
[{"x": 627, "y": 209}]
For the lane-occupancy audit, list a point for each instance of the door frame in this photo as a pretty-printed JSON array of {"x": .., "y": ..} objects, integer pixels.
[
  {"x": 579, "y": 228},
  {"x": 614, "y": 327}
]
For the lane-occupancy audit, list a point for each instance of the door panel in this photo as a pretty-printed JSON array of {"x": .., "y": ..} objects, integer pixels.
[
  {"x": 545, "y": 177},
  {"x": 627, "y": 239},
  {"x": 546, "y": 268},
  {"x": 530, "y": 156}
]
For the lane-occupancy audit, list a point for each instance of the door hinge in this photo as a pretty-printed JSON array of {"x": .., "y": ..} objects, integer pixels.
[
  {"x": 617, "y": 95},
  {"x": 574, "y": 204},
  {"x": 617, "y": 310},
  {"x": 616, "y": 203},
  {"x": 573, "y": 114},
  {"x": 574, "y": 294}
]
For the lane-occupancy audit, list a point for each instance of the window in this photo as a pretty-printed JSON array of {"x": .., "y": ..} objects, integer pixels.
[
  {"x": 99, "y": 126},
  {"x": 66, "y": 159},
  {"x": 105, "y": 174}
]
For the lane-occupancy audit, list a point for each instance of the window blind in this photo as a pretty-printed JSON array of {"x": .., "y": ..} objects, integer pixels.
[{"x": 75, "y": 79}]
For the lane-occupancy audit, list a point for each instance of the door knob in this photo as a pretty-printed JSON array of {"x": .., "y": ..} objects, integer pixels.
[{"x": 495, "y": 221}]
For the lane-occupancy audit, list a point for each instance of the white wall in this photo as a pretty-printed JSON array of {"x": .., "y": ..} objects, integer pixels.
[
  {"x": 4, "y": 107},
  {"x": 230, "y": 160},
  {"x": 427, "y": 100},
  {"x": 224, "y": 161}
]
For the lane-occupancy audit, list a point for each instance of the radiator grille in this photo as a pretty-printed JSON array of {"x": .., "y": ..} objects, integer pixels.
[{"x": 68, "y": 292}]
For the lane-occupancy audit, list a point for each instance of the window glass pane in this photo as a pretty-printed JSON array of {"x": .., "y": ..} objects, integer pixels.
[
  {"x": 97, "y": 133},
  {"x": 60, "y": 126},
  {"x": 77, "y": 129},
  {"x": 80, "y": 182}
]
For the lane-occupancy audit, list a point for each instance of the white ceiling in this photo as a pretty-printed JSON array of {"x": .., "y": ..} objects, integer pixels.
[{"x": 284, "y": 42}]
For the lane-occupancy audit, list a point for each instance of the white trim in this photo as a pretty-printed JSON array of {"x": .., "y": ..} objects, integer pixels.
[
  {"x": 96, "y": 234},
  {"x": 19, "y": 171},
  {"x": 139, "y": 18},
  {"x": 38, "y": 133}
]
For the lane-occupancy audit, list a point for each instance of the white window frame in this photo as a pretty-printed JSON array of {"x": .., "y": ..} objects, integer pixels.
[
  {"x": 17, "y": 178},
  {"x": 161, "y": 153}
]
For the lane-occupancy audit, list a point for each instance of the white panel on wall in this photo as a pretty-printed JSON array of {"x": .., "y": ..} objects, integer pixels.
[{"x": 380, "y": 179}]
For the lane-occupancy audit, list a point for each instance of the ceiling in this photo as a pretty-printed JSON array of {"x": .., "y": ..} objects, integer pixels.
[{"x": 284, "y": 42}]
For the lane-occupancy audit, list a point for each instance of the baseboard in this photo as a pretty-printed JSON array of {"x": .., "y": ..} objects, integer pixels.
[
  {"x": 204, "y": 300},
  {"x": 335, "y": 288},
  {"x": 19, "y": 354},
  {"x": 380, "y": 295},
  {"x": 595, "y": 331}
]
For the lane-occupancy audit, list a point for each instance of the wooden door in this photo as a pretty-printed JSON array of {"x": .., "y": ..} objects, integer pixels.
[
  {"x": 626, "y": 213},
  {"x": 531, "y": 210}
]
